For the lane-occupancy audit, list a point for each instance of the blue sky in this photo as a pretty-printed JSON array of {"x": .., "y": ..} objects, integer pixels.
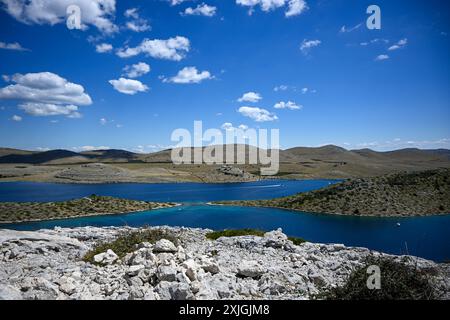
[{"x": 350, "y": 86}]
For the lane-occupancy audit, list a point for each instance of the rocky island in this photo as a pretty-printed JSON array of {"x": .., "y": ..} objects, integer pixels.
[
  {"x": 163, "y": 263},
  {"x": 400, "y": 194},
  {"x": 87, "y": 206}
]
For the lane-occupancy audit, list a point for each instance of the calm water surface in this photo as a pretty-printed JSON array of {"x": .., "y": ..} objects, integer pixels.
[{"x": 427, "y": 237}]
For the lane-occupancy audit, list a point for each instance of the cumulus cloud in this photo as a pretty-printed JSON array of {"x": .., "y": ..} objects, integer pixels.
[
  {"x": 176, "y": 2},
  {"x": 250, "y": 97},
  {"x": 257, "y": 114},
  {"x": 287, "y": 105},
  {"x": 398, "y": 45},
  {"x": 103, "y": 121},
  {"x": 12, "y": 46},
  {"x": 281, "y": 88},
  {"x": 307, "y": 45},
  {"x": 103, "y": 47},
  {"x": 128, "y": 86},
  {"x": 16, "y": 118},
  {"x": 137, "y": 70},
  {"x": 49, "y": 109},
  {"x": 228, "y": 126},
  {"x": 137, "y": 24},
  {"x": 189, "y": 75},
  {"x": 201, "y": 10},
  {"x": 98, "y": 13},
  {"x": 382, "y": 57},
  {"x": 170, "y": 49},
  {"x": 45, "y": 94},
  {"x": 294, "y": 7}
]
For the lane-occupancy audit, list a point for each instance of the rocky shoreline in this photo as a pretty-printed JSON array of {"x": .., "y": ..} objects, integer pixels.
[
  {"x": 48, "y": 264},
  {"x": 422, "y": 193},
  {"x": 16, "y": 212}
]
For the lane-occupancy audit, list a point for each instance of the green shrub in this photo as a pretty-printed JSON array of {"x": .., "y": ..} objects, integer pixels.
[
  {"x": 398, "y": 282},
  {"x": 234, "y": 233},
  {"x": 126, "y": 242}
]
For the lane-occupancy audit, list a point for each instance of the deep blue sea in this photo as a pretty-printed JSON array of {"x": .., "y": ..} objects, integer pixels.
[{"x": 427, "y": 237}]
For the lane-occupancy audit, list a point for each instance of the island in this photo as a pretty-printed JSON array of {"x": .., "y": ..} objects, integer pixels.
[
  {"x": 13, "y": 212},
  {"x": 401, "y": 194}
]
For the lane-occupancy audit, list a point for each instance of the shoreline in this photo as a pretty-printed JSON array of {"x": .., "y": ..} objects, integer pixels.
[
  {"x": 332, "y": 214},
  {"x": 160, "y": 206},
  {"x": 86, "y": 215}
]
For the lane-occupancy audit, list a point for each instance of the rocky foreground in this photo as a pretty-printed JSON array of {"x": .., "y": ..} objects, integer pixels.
[{"x": 48, "y": 264}]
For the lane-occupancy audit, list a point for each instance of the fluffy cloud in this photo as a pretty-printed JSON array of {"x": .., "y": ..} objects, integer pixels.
[
  {"x": 16, "y": 118},
  {"x": 287, "y": 105},
  {"x": 294, "y": 7},
  {"x": 250, "y": 97},
  {"x": 257, "y": 114},
  {"x": 137, "y": 24},
  {"x": 170, "y": 49},
  {"x": 137, "y": 70},
  {"x": 103, "y": 47},
  {"x": 12, "y": 46},
  {"x": 281, "y": 88},
  {"x": 382, "y": 57},
  {"x": 398, "y": 45},
  {"x": 227, "y": 126},
  {"x": 176, "y": 2},
  {"x": 201, "y": 10},
  {"x": 128, "y": 86},
  {"x": 103, "y": 121},
  {"x": 49, "y": 109},
  {"x": 189, "y": 75},
  {"x": 97, "y": 13},
  {"x": 46, "y": 94},
  {"x": 307, "y": 45}
]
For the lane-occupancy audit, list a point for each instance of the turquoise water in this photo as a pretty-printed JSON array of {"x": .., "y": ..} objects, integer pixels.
[{"x": 427, "y": 237}]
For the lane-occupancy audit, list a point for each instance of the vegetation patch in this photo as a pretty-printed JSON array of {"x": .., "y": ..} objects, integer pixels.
[
  {"x": 92, "y": 205},
  {"x": 400, "y": 194},
  {"x": 128, "y": 241},
  {"x": 398, "y": 282},
  {"x": 246, "y": 232}
]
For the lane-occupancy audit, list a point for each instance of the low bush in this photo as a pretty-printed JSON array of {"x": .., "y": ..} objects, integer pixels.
[
  {"x": 398, "y": 282},
  {"x": 126, "y": 242}
]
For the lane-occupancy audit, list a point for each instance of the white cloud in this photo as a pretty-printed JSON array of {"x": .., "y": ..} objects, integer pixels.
[
  {"x": 307, "y": 45},
  {"x": 12, "y": 46},
  {"x": 250, "y": 97},
  {"x": 137, "y": 70},
  {"x": 128, "y": 86},
  {"x": 228, "y": 126},
  {"x": 257, "y": 114},
  {"x": 201, "y": 10},
  {"x": 294, "y": 7},
  {"x": 176, "y": 2},
  {"x": 281, "y": 88},
  {"x": 131, "y": 13},
  {"x": 46, "y": 93},
  {"x": 16, "y": 118},
  {"x": 103, "y": 121},
  {"x": 287, "y": 105},
  {"x": 90, "y": 148},
  {"x": 97, "y": 13},
  {"x": 399, "y": 45},
  {"x": 170, "y": 49},
  {"x": 189, "y": 75},
  {"x": 345, "y": 29},
  {"x": 382, "y": 57},
  {"x": 49, "y": 109},
  {"x": 103, "y": 47},
  {"x": 137, "y": 24}
]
